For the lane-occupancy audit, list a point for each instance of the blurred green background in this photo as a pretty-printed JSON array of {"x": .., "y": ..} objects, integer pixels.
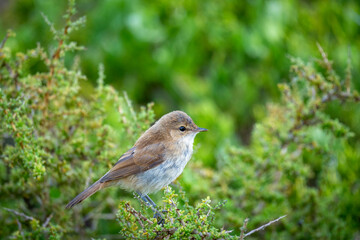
[{"x": 220, "y": 61}]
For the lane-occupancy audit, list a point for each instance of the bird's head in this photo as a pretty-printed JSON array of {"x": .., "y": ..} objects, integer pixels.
[{"x": 178, "y": 125}]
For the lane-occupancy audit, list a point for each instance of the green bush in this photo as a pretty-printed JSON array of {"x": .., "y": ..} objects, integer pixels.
[
  {"x": 54, "y": 140},
  {"x": 220, "y": 61},
  {"x": 58, "y": 136},
  {"x": 295, "y": 166}
]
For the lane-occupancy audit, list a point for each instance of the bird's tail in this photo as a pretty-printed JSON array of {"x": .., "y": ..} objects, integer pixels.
[{"x": 86, "y": 193}]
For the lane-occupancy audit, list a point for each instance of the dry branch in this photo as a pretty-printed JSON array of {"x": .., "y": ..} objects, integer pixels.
[{"x": 263, "y": 226}]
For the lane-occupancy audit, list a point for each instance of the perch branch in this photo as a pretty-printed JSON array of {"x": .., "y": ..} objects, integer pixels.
[
  {"x": 263, "y": 226},
  {"x": 47, "y": 220},
  {"x": 19, "y": 214}
]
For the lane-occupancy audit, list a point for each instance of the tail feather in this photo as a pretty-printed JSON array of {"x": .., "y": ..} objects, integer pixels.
[{"x": 85, "y": 194}]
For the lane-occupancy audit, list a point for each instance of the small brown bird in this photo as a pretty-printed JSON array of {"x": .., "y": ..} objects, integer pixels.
[{"x": 157, "y": 159}]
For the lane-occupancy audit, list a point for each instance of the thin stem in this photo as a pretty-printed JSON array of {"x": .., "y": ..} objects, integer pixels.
[{"x": 263, "y": 226}]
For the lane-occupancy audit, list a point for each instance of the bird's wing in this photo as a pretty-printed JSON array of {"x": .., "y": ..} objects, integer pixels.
[{"x": 136, "y": 160}]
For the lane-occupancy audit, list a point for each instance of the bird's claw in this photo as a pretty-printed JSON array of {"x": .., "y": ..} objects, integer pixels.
[{"x": 160, "y": 219}]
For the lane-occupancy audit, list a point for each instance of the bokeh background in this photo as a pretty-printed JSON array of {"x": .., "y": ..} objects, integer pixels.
[{"x": 220, "y": 61}]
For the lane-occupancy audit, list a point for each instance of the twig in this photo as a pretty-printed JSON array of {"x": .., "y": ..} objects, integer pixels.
[
  {"x": 128, "y": 102},
  {"x": 243, "y": 229},
  {"x": 4, "y": 40},
  {"x": 263, "y": 226},
  {"x": 47, "y": 220},
  {"x": 178, "y": 212},
  {"x": 56, "y": 54},
  {"x": 327, "y": 63},
  {"x": 51, "y": 25},
  {"x": 20, "y": 227},
  {"x": 134, "y": 212},
  {"x": 19, "y": 214}
]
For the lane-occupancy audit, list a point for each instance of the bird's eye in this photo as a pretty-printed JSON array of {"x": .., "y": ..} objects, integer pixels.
[{"x": 182, "y": 128}]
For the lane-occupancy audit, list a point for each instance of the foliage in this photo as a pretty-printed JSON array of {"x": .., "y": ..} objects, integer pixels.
[
  {"x": 294, "y": 165},
  {"x": 54, "y": 139},
  {"x": 220, "y": 61},
  {"x": 296, "y": 162},
  {"x": 185, "y": 222},
  {"x": 58, "y": 134}
]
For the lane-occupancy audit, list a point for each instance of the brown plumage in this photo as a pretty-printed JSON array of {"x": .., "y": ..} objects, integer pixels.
[{"x": 157, "y": 158}]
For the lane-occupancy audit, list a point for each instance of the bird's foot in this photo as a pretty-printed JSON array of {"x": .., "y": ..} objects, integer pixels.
[{"x": 159, "y": 218}]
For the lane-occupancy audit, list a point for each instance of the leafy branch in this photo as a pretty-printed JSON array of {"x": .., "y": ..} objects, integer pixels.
[{"x": 181, "y": 221}]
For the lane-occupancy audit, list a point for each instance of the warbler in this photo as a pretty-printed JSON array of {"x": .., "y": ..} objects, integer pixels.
[{"x": 157, "y": 158}]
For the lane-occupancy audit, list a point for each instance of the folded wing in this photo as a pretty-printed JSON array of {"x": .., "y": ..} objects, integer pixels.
[{"x": 136, "y": 160}]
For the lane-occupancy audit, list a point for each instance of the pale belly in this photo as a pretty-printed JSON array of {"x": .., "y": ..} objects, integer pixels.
[{"x": 158, "y": 177}]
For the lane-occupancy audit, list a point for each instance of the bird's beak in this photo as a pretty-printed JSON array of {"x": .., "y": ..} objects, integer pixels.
[{"x": 200, "y": 129}]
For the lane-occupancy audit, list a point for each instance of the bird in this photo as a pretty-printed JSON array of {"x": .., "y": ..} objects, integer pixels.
[{"x": 157, "y": 158}]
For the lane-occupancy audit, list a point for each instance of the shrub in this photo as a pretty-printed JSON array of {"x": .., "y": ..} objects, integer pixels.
[
  {"x": 295, "y": 165},
  {"x": 55, "y": 140}
]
